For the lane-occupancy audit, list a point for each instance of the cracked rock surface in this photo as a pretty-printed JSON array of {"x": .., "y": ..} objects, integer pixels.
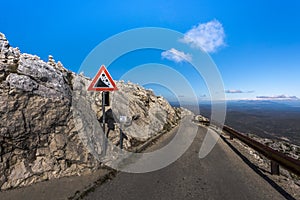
[{"x": 39, "y": 137}]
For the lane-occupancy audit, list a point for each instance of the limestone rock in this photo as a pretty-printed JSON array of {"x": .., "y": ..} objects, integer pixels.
[
  {"x": 36, "y": 123},
  {"x": 48, "y": 119}
]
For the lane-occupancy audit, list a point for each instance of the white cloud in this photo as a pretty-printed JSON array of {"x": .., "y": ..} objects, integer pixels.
[
  {"x": 207, "y": 36},
  {"x": 176, "y": 56},
  {"x": 278, "y": 97}
]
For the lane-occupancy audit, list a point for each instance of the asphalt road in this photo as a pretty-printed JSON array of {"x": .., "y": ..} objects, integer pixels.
[{"x": 220, "y": 175}]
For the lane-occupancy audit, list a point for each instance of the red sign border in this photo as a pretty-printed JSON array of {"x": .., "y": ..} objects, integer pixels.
[{"x": 95, "y": 79}]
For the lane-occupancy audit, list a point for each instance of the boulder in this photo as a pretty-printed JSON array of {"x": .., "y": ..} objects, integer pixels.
[{"x": 48, "y": 119}]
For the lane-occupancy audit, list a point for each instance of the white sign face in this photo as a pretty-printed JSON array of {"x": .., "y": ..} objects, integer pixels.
[
  {"x": 102, "y": 81},
  {"x": 123, "y": 119}
]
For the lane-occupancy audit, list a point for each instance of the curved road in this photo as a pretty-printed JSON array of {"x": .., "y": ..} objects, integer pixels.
[{"x": 220, "y": 175}]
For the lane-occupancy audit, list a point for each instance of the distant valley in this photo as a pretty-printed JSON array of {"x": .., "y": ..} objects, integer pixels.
[{"x": 268, "y": 119}]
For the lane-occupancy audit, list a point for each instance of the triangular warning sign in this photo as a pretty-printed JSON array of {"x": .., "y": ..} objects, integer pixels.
[{"x": 102, "y": 81}]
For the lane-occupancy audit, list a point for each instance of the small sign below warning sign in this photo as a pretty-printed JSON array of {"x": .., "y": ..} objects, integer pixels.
[{"x": 102, "y": 81}]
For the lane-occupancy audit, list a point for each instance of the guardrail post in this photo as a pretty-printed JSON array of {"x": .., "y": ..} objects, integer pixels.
[{"x": 274, "y": 168}]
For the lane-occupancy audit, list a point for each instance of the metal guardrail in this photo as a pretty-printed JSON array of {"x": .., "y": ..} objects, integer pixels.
[{"x": 277, "y": 158}]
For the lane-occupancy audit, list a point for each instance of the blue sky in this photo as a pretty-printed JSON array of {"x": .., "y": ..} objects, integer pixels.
[{"x": 260, "y": 55}]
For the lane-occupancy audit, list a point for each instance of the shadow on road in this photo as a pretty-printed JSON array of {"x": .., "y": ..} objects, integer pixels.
[{"x": 257, "y": 170}]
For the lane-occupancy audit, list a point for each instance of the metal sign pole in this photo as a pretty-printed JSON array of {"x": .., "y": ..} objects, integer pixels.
[
  {"x": 121, "y": 138},
  {"x": 103, "y": 110}
]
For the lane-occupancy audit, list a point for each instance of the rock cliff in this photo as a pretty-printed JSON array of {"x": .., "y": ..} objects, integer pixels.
[{"x": 47, "y": 129}]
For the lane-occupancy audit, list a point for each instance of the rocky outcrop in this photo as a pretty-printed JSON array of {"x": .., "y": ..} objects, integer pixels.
[
  {"x": 287, "y": 148},
  {"x": 48, "y": 119}
]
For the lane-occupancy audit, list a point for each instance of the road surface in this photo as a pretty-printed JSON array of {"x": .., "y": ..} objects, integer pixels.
[{"x": 220, "y": 175}]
